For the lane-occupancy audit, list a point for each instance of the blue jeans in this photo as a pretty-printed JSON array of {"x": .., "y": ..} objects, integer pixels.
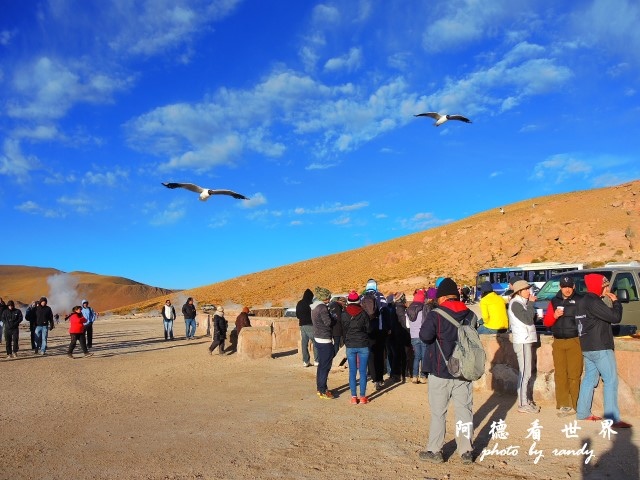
[
  {"x": 168, "y": 329},
  {"x": 419, "y": 347},
  {"x": 355, "y": 367},
  {"x": 325, "y": 359},
  {"x": 42, "y": 332},
  {"x": 191, "y": 327},
  {"x": 600, "y": 363},
  {"x": 306, "y": 333}
]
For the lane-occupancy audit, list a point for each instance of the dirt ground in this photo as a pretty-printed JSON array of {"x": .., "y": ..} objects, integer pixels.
[{"x": 143, "y": 408}]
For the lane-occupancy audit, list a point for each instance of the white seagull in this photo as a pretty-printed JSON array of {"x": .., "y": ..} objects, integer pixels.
[
  {"x": 440, "y": 119},
  {"x": 205, "y": 193}
]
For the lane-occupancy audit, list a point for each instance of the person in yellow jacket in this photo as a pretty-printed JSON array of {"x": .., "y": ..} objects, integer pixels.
[{"x": 494, "y": 311}]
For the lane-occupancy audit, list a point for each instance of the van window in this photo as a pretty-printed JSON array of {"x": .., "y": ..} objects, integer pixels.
[{"x": 625, "y": 281}]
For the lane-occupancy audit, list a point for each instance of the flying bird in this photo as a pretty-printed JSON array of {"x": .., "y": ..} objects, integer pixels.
[
  {"x": 440, "y": 119},
  {"x": 205, "y": 193}
]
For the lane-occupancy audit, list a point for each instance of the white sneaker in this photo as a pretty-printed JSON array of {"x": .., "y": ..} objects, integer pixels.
[
  {"x": 528, "y": 409},
  {"x": 315, "y": 364},
  {"x": 306, "y": 364},
  {"x": 565, "y": 411}
]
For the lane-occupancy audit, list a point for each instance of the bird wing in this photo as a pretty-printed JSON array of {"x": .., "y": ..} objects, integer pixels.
[
  {"x": 434, "y": 115},
  {"x": 459, "y": 117},
  {"x": 228, "y": 192},
  {"x": 188, "y": 186}
]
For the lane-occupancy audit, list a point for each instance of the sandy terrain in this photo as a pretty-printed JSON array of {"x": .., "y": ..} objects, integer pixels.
[{"x": 143, "y": 408}]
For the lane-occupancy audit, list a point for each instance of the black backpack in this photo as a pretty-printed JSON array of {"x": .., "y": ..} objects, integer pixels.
[{"x": 369, "y": 304}]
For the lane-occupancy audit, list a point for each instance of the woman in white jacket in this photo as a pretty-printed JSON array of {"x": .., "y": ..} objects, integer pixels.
[{"x": 523, "y": 331}]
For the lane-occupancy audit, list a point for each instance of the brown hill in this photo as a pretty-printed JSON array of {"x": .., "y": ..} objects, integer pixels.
[
  {"x": 24, "y": 284},
  {"x": 592, "y": 226}
]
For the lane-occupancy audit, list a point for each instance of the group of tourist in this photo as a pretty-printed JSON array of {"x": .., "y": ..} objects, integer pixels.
[
  {"x": 42, "y": 320},
  {"x": 384, "y": 335}
]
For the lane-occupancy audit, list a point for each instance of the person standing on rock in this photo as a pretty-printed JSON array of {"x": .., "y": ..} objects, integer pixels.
[
  {"x": 220, "y": 326},
  {"x": 567, "y": 353},
  {"x": 322, "y": 327},
  {"x": 303, "y": 312},
  {"x": 168, "y": 316},
  {"x": 523, "y": 333},
  {"x": 189, "y": 312}
]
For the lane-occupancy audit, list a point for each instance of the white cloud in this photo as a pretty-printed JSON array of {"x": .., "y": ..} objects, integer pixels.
[
  {"x": 560, "y": 167},
  {"x": 80, "y": 204},
  {"x": 47, "y": 88},
  {"x": 495, "y": 174},
  {"x": 326, "y": 14},
  {"x": 331, "y": 208},
  {"x": 32, "y": 208},
  {"x": 422, "y": 221},
  {"x": 14, "y": 163},
  {"x": 170, "y": 215},
  {"x": 6, "y": 36},
  {"x": 39, "y": 133},
  {"x": 342, "y": 221},
  {"x": 349, "y": 62},
  {"x": 255, "y": 200},
  {"x": 108, "y": 178}
]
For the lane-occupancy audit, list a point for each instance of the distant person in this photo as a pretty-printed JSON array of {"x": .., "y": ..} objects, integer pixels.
[
  {"x": 567, "y": 353},
  {"x": 322, "y": 328},
  {"x": 3, "y": 307},
  {"x": 44, "y": 323},
  {"x": 441, "y": 335},
  {"x": 416, "y": 317},
  {"x": 335, "y": 310},
  {"x": 168, "y": 317},
  {"x": 30, "y": 316},
  {"x": 523, "y": 333},
  {"x": 380, "y": 328},
  {"x": 77, "y": 324},
  {"x": 595, "y": 318},
  {"x": 242, "y": 320},
  {"x": 303, "y": 312},
  {"x": 90, "y": 315},
  {"x": 11, "y": 318},
  {"x": 56, "y": 317},
  {"x": 356, "y": 326},
  {"x": 189, "y": 312},
  {"x": 220, "y": 326},
  {"x": 493, "y": 311}
]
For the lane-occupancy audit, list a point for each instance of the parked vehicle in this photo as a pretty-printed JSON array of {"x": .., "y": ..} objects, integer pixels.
[{"x": 625, "y": 282}]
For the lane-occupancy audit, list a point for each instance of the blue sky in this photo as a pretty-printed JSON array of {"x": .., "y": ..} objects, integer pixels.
[{"x": 305, "y": 107}]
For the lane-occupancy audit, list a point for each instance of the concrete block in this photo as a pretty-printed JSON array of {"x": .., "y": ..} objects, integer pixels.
[{"x": 254, "y": 342}]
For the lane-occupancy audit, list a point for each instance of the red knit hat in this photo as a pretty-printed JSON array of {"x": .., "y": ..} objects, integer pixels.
[
  {"x": 418, "y": 296},
  {"x": 353, "y": 297}
]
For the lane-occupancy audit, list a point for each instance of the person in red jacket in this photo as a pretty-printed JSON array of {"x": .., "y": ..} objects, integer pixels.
[{"x": 76, "y": 330}]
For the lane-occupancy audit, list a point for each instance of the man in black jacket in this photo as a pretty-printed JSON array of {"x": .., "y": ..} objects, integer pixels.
[
  {"x": 596, "y": 339},
  {"x": 567, "y": 354},
  {"x": 11, "y": 317},
  {"x": 44, "y": 323},
  {"x": 303, "y": 312},
  {"x": 189, "y": 312},
  {"x": 30, "y": 316}
]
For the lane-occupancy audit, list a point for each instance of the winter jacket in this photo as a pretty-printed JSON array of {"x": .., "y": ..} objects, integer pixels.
[
  {"x": 44, "y": 316},
  {"x": 303, "y": 308},
  {"x": 322, "y": 322},
  {"x": 88, "y": 313},
  {"x": 566, "y": 325},
  {"x": 220, "y": 325},
  {"x": 189, "y": 311},
  {"x": 435, "y": 326},
  {"x": 335, "y": 310},
  {"x": 76, "y": 323},
  {"x": 242, "y": 321},
  {"x": 494, "y": 312},
  {"x": 11, "y": 318},
  {"x": 595, "y": 317},
  {"x": 30, "y": 315},
  {"x": 172, "y": 314},
  {"x": 381, "y": 322},
  {"x": 356, "y": 326},
  {"x": 399, "y": 329},
  {"x": 521, "y": 315}
]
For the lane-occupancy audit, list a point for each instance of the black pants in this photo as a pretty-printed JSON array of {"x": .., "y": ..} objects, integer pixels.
[
  {"x": 88, "y": 331},
  {"x": 376, "y": 357},
  {"x": 399, "y": 358},
  {"x": 32, "y": 331},
  {"x": 219, "y": 344},
  {"x": 11, "y": 339},
  {"x": 74, "y": 339}
]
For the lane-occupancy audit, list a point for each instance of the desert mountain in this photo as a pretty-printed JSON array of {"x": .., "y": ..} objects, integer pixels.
[
  {"x": 25, "y": 284},
  {"x": 592, "y": 226}
]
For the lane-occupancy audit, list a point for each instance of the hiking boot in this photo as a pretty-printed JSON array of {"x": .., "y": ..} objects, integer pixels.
[
  {"x": 354, "y": 400},
  {"x": 70, "y": 355},
  {"x": 364, "y": 400},
  {"x": 620, "y": 424},
  {"x": 88, "y": 354},
  {"x": 528, "y": 409},
  {"x": 326, "y": 395},
  {"x": 433, "y": 457},
  {"x": 416, "y": 381},
  {"x": 533, "y": 404},
  {"x": 467, "y": 458},
  {"x": 379, "y": 386},
  {"x": 566, "y": 411}
]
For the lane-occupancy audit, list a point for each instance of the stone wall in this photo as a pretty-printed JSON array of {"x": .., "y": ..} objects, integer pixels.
[{"x": 283, "y": 334}]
